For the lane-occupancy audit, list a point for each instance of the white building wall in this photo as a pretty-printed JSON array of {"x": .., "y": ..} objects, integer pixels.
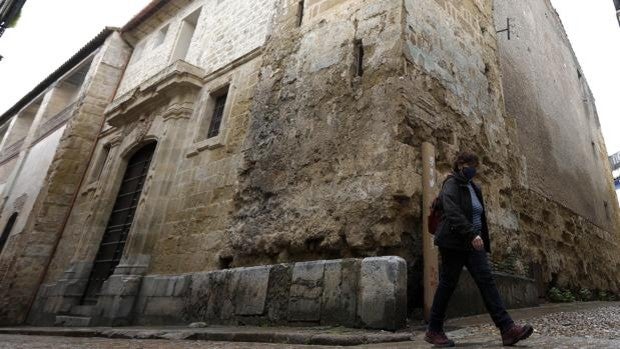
[{"x": 30, "y": 180}]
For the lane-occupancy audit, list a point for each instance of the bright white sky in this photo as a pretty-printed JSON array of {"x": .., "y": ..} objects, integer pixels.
[{"x": 49, "y": 32}]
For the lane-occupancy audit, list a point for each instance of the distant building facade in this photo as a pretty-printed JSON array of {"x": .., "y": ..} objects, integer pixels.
[{"x": 240, "y": 139}]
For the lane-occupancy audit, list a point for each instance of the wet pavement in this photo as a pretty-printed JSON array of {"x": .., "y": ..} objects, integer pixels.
[{"x": 577, "y": 325}]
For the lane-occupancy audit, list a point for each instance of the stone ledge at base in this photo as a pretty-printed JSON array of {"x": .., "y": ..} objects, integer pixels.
[
  {"x": 307, "y": 336},
  {"x": 364, "y": 293},
  {"x": 516, "y": 292}
]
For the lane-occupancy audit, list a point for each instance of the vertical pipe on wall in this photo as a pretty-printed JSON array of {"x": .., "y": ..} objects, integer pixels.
[{"x": 431, "y": 264}]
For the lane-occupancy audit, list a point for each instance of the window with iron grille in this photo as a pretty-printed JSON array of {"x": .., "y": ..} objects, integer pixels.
[
  {"x": 120, "y": 221},
  {"x": 218, "y": 114}
]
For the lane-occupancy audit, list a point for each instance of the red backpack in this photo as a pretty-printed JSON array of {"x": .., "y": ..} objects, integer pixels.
[{"x": 434, "y": 217}]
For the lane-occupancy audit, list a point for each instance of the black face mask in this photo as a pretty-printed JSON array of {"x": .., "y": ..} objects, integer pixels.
[{"x": 469, "y": 172}]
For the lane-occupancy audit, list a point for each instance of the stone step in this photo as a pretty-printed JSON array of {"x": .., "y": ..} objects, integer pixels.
[
  {"x": 72, "y": 321},
  {"x": 83, "y": 310}
]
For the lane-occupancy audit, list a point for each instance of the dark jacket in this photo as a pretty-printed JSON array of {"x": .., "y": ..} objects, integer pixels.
[{"x": 456, "y": 230}]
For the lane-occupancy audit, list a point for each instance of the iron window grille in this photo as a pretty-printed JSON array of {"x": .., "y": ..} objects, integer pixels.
[{"x": 218, "y": 115}]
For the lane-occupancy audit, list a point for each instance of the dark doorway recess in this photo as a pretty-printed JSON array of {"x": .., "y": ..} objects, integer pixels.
[
  {"x": 119, "y": 224},
  {"x": 7, "y": 230}
]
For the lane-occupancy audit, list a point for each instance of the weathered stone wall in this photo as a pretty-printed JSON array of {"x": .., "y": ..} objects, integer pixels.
[
  {"x": 368, "y": 292},
  {"x": 323, "y": 176},
  {"x": 226, "y": 30},
  {"x": 515, "y": 291},
  {"x": 32, "y": 251},
  {"x": 200, "y": 203},
  {"x": 568, "y": 213},
  {"x": 355, "y": 293},
  {"x": 548, "y": 95},
  {"x": 451, "y": 96}
]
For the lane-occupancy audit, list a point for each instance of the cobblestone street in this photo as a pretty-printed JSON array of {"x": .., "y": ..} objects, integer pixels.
[{"x": 577, "y": 325}]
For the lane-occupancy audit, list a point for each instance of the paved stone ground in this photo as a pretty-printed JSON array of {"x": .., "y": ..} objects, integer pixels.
[{"x": 578, "y": 325}]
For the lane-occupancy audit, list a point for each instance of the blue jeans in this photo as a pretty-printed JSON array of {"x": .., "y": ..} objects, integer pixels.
[{"x": 477, "y": 263}]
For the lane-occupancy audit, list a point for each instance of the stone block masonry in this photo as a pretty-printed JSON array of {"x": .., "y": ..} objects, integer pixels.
[
  {"x": 225, "y": 31},
  {"x": 369, "y": 293}
]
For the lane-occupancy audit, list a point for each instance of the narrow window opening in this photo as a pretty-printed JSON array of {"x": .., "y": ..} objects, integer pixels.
[
  {"x": 103, "y": 159},
  {"x": 186, "y": 34},
  {"x": 138, "y": 50},
  {"x": 606, "y": 204},
  {"x": 218, "y": 115},
  {"x": 7, "y": 230},
  {"x": 300, "y": 12},
  {"x": 225, "y": 262},
  {"x": 359, "y": 58},
  {"x": 161, "y": 36}
]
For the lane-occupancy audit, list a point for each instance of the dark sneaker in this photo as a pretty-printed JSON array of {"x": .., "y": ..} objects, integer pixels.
[
  {"x": 439, "y": 339},
  {"x": 516, "y": 333}
]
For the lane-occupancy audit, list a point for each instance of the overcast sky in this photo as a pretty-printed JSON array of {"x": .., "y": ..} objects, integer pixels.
[{"x": 49, "y": 32}]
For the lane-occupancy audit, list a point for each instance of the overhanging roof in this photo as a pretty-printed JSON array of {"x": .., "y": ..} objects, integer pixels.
[
  {"x": 84, "y": 52},
  {"x": 146, "y": 12}
]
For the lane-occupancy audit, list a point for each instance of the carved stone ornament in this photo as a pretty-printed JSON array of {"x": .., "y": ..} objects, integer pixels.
[{"x": 176, "y": 85}]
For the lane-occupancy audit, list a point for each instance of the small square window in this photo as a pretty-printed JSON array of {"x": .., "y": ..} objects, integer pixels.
[
  {"x": 218, "y": 114},
  {"x": 161, "y": 36},
  {"x": 138, "y": 50}
]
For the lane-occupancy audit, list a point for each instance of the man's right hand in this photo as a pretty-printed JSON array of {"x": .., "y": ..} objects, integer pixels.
[{"x": 477, "y": 243}]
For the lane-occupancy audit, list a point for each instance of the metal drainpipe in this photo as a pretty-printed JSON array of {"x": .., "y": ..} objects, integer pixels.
[
  {"x": 75, "y": 195},
  {"x": 430, "y": 260}
]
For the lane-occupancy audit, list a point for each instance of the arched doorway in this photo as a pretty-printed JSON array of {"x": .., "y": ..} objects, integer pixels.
[
  {"x": 7, "y": 230},
  {"x": 120, "y": 221}
]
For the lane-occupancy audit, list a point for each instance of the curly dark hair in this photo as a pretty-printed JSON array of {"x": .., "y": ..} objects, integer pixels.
[{"x": 463, "y": 158}]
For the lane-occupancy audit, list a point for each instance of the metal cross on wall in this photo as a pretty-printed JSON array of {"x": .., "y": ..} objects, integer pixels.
[{"x": 507, "y": 30}]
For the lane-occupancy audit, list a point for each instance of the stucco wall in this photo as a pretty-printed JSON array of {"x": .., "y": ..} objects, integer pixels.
[
  {"x": 6, "y": 169},
  {"x": 30, "y": 180},
  {"x": 226, "y": 30},
  {"x": 558, "y": 127}
]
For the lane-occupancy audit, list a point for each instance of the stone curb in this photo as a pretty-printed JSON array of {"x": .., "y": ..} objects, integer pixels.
[{"x": 220, "y": 334}]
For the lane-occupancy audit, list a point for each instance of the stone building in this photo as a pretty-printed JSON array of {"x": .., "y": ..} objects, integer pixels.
[
  {"x": 566, "y": 201},
  {"x": 260, "y": 161},
  {"x": 47, "y": 142}
]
